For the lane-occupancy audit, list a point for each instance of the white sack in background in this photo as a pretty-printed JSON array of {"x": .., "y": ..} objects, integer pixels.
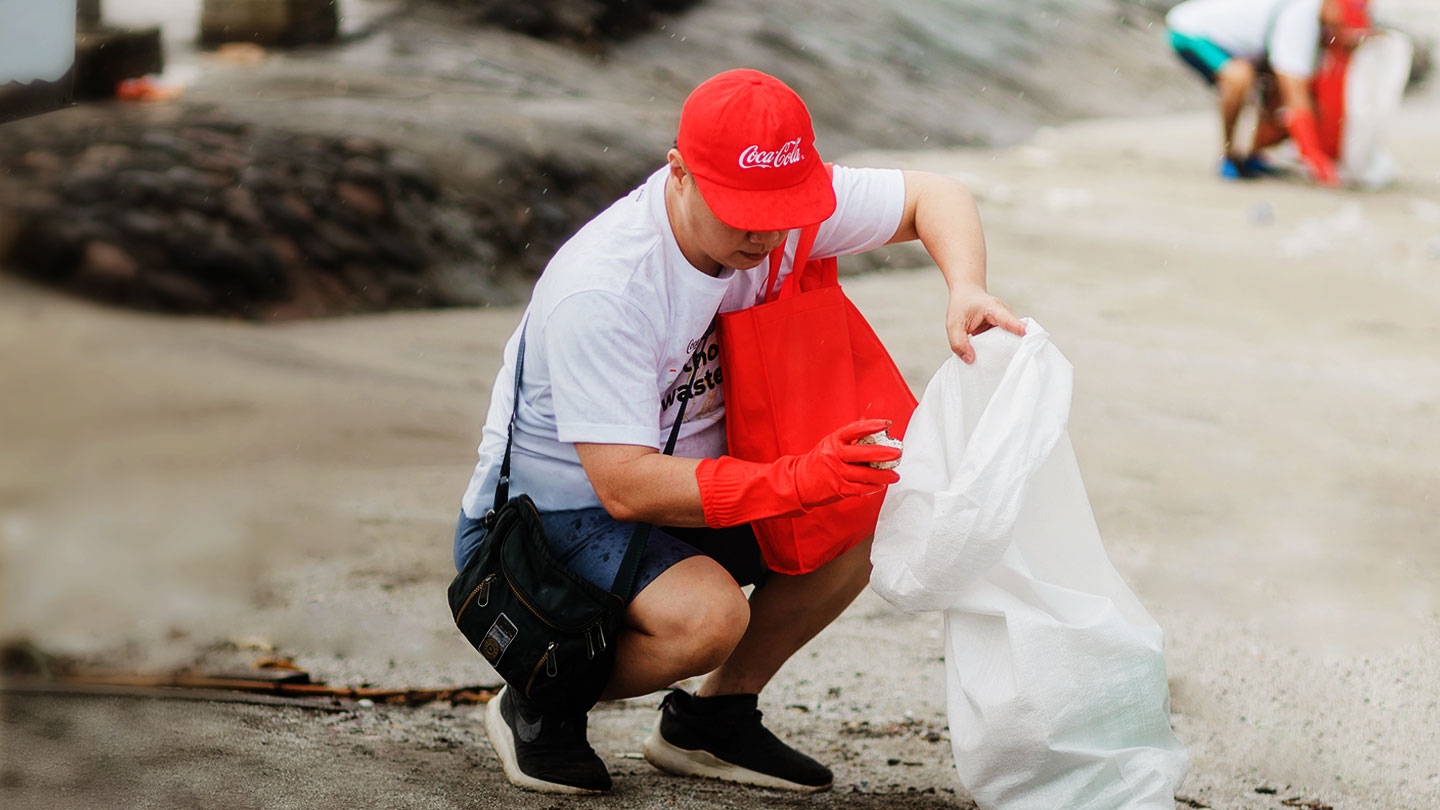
[
  {"x": 1374, "y": 85},
  {"x": 1055, "y": 672}
]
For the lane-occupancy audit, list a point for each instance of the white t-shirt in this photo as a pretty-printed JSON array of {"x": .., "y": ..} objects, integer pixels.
[
  {"x": 1287, "y": 30},
  {"x": 614, "y": 323}
]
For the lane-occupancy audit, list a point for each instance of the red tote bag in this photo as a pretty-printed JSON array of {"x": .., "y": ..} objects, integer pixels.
[
  {"x": 796, "y": 368},
  {"x": 1328, "y": 87}
]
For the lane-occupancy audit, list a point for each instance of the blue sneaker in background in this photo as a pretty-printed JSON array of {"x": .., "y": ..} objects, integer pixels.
[{"x": 1256, "y": 166}]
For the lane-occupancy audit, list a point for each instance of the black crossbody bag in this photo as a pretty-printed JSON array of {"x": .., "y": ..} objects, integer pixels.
[{"x": 548, "y": 631}]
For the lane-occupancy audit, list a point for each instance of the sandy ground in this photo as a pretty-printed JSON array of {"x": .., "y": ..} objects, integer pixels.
[{"x": 1255, "y": 413}]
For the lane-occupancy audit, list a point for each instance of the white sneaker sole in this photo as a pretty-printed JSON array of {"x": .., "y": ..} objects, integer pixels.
[
  {"x": 503, "y": 742},
  {"x": 683, "y": 762}
]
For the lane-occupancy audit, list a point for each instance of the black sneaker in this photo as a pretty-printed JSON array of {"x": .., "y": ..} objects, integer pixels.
[
  {"x": 547, "y": 753},
  {"x": 721, "y": 737}
]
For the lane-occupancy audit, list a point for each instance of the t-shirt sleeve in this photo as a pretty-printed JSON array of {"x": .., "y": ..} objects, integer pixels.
[
  {"x": 602, "y": 355},
  {"x": 1295, "y": 40},
  {"x": 868, "y": 207},
  {"x": 1181, "y": 18}
]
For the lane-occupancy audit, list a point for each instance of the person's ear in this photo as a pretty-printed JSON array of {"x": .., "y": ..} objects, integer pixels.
[{"x": 677, "y": 166}]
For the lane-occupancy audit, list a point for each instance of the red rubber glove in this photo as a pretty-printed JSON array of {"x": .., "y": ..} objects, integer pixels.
[
  {"x": 1306, "y": 132},
  {"x": 733, "y": 491}
]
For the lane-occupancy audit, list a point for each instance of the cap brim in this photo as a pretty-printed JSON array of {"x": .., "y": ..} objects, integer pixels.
[{"x": 810, "y": 201}]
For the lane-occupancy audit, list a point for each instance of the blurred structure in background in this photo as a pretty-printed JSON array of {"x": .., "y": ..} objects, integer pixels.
[
  {"x": 269, "y": 22},
  {"x": 106, "y": 55}
]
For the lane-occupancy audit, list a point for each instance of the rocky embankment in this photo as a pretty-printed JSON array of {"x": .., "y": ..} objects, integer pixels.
[
  {"x": 442, "y": 156},
  {"x": 180, "y": 209}
]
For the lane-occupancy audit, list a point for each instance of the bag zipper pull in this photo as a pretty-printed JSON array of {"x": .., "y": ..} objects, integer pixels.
[
  {"x": 600, "y": 632},
  {"x": 551, "y": 668},
  {"x": 484, "y": 598},
  {"x": 589, "y": 646}
]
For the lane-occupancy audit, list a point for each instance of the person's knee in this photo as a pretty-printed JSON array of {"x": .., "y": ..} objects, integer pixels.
[
  {"x": 710, "y": 629},
  {"x": 696, "y": 613},
  {"x": 1236, "y": 74}
]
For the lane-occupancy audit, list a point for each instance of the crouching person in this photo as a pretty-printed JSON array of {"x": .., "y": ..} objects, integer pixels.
[{"x": 619, "y": 342}]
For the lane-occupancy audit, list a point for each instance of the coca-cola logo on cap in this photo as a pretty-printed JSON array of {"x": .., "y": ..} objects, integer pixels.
[{"x": 755, "y": 158}]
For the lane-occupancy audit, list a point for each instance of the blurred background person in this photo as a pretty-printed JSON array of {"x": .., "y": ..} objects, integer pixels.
[{"x": 1237, "y": 45}]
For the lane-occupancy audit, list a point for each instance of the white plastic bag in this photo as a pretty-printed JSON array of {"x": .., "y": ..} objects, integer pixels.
[
  {"x": 1374, "y": 85},
  {"x": 1056, "y": 681}
]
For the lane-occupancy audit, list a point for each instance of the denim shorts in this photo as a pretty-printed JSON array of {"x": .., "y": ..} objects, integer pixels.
[{"x": 592, "y": 544}]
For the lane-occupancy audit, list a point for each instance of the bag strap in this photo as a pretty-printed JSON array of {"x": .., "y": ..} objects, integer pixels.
[
  {"x": 826, "y": 271},
  {"x": 629, "y": 565},
  {"x": 807, "y": 273},
  {"x": 502, "y": 490}
]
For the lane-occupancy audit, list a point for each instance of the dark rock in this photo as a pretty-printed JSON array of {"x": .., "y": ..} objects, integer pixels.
[
  {"x": 87, "y": 187},
  {"x": 184, "y": 177},
  {"x": 164, "y": 141},
  {"x": 32, "y": 200},
  {"x": 48, "y": 248},
  {"x": 140, "y": 187},
  {"x": 363, "y": 146},
  {"x": 253, "y": 177},
  {"x": 229, "y": 264},
  {"x": 297, "y": 208},
  {"x": 241, "y": 208},
  {"x": 221, "y": 162},
  {"x": 193, "y": 225},
  {"x": 347, "y": 244},
  {"x": 412, "y": 171},
  {"x": 178, "y": 211},
  {"x": 103, "y": 157},
  {"x": 43, "y": 161},
  {"x": 177, "y": 292},
  {"x": 365, "y": 202},
  {"x": 107, "y": 266},
  {"x": 370, "y": 285},
  {"x": 99, "y": 228},
  {"x": 318, "y": 251},
  {"x": 209, "y": 137},
  {"x": 363, "y": 170},
  {"x": 201, "y": 200},
  {"x": 141, "y": 224},
  {"x": 400, "y": 250},
  {"x": 285, "y": 251},
  {"x": 312, "y": 186},
  {"x": 584, "y": 22}
]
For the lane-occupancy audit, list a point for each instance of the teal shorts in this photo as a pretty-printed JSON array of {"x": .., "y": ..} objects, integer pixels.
[{"x": 1201, "y": 54}]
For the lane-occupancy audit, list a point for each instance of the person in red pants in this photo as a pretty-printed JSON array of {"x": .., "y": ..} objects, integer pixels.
[
  {"x": 619, "y": 333},
  {"x": 1232, "y": 44}
]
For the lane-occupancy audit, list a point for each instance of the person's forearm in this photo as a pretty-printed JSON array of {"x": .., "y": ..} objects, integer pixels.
[
  {"x": 941, "y": 213},
  {"x": 655, "y": 488},
  {"x": 1294, "y": 92}
]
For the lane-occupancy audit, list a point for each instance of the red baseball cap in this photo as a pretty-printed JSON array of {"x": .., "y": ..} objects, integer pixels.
[{"x": 747, "y": 139}]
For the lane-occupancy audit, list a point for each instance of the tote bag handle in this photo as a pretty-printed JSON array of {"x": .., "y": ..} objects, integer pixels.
[{"x": 825, "y": 274}]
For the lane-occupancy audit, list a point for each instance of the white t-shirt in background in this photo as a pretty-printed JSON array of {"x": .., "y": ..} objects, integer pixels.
[
  {"x": 1287, "y": 30},
  {"x": 614, "y": 323}
]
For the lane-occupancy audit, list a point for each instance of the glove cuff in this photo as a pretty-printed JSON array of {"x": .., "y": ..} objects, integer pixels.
[
  {"x": 1305, "y": 130},
  {"x": 733, "y": 491}
]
